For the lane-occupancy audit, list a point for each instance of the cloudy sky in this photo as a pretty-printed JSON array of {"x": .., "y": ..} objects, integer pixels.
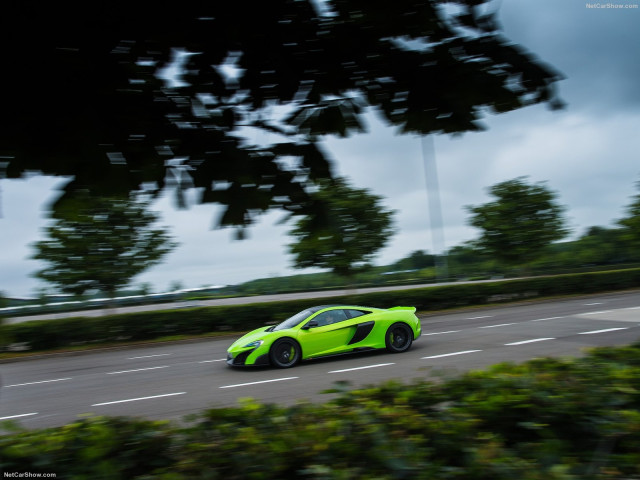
[{"x": 587, "y": 153}]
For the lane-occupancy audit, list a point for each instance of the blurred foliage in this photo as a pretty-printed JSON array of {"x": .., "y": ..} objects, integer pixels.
[
  {"x": 139, "y": 326},
  {"x": 546, "y": 419},
  {"x": 521, "y": 221},
  {"x": 101, "y": 243},
  {"x": 631, "y": 223},
  {"x": 4, "y": 337},
  {"x": 356, "y": 227},
  {"x": 94, "y": 448},
  {"x": 291, "y": 71},
  {"x": 416, "y": 260}
]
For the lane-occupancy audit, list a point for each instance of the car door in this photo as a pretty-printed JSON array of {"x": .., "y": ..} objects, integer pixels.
[{"x": 332, "y": 333}]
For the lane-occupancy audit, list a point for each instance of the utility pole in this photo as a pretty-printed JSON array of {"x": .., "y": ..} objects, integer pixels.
[{"x": 435, "y": 209}]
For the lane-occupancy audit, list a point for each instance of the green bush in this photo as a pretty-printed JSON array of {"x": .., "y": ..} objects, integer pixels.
[
  {"x": 106, "y": 448},
  {"x": 546, "y": 419}
]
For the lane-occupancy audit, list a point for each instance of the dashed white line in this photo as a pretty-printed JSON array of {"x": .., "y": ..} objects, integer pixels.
[
  {"x": 150, "y": 356},
  {"x": 478, "y": 318},
  {"x": 137, "y": 370},
  {"x": 36, "y": 383},
  {"x": 210, "y": 361},
  {"x": 440, "y": 333},
  {"x": 598, "y": 312},
  {"x": 451, "y": 354},
  {"x": 530, "y": 341},
  {"x": 500, "y": 325},
  {"x": 547, "y": 319},
  {"x": 256, "y": 383},
  {"x": 361, "y": 368},
  {"x": 137, "y": 399},
  {"x": 18, "y": 416},
  {"x": 603, "y": 331},
  {"x": 591, "y": 304}
]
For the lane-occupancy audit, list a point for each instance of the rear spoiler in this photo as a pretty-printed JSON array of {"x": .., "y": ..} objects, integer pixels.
[{"x": 413, "y": 309}]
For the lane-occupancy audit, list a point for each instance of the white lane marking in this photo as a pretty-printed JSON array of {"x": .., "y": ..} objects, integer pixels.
[
  {"x": 603, "y": 331},
  {"x": 137, "y": 370},
  {"x": 500, "y": 325},
  {"x": 361, "y": 368},
  {"x": 209, "y": 361},
  {"x": 590, "y": 304},
  {"x": 150, "y": 356},
  {"x": 450, "y": 354},
  {"x": 35, "y": 383},
  {"x": 610, "y": 311},
  {"x": 18, "y": 416},
  {"x": 137, "y": 399},
  {"x": 440, "y": 333},
  {"x": 256, "y": 383},
  {"x": 530, "y": 341},
  {"x": 547, "y": 319},
  {"x": 478, "y": 318}
]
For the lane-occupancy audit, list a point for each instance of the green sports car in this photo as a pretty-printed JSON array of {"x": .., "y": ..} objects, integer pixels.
[{"x": 326, "y": 330}]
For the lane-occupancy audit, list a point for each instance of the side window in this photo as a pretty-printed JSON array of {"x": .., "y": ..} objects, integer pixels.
[
  {"x": 355, "y": 313},
  {"x": 330, "y": 317}
]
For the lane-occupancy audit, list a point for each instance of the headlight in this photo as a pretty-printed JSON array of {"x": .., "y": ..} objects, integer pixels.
[{"x": 255, "y": 344}]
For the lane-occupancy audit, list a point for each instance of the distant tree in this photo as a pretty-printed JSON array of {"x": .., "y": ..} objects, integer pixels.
[
  {"x": 109, "y": 121},
  {"x": 176, "y": 285},
  {"x": 42, "y": 294},
  {"x": 416, "y": 260},
  {"x": 4, "y": 338},
  {"x": 631, "y": 224},
  {"x": 100, "y": 244},
  {"x": 145, "y": 288},
  {"x": 520, "y": 223},
  {"x": 600, "y": 246},
  {"x": 467, "y": 260},
  {"x": 356, "y": 227},
  {"x": 3, "y": 303}
]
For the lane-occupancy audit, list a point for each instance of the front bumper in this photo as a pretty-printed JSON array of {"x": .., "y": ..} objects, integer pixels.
[{"x": 240, "y": 359}]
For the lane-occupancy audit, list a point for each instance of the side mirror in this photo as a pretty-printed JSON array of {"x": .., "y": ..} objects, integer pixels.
[{"x": 310, "y": 324}]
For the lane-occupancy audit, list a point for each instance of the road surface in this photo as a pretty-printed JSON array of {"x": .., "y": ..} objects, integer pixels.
[{"x": 170, "y": 381}]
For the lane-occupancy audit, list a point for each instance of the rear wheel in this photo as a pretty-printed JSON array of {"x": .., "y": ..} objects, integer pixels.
[
  {"x": 399, "y": 337},
  {"x": 285, "y": 353}
]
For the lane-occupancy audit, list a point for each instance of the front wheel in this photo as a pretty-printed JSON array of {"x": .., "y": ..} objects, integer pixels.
[
  {"x": 399, "y": 338},
  {"x": 285, "y": 353}
]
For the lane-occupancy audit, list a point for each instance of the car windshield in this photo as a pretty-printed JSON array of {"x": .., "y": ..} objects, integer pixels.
[{"x": 295, "y": 320}]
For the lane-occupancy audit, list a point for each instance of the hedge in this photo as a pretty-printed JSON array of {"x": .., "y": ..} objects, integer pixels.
[
  {"x": 64, "y": 333},
  {"x": 547, "y": 419}
]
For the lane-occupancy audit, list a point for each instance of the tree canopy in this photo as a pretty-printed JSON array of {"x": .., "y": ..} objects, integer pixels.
[
  {"x": 85, "y": 92},
  {"x": 101, "y": 244},
  {"x": 357, "y": 226},
  {"x": 521, "y": 221}
]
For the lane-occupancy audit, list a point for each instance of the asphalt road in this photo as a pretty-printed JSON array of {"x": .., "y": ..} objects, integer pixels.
[{"x": 170, "y": 381}]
